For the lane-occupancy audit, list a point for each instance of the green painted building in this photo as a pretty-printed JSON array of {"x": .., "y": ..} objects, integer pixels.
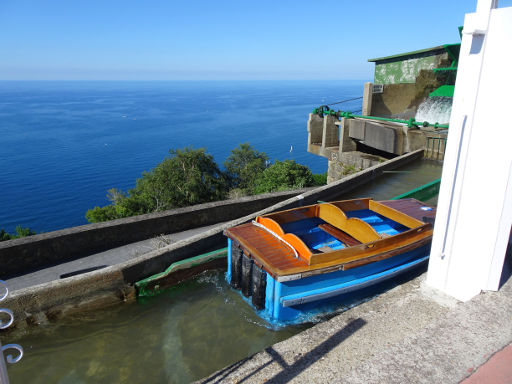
[
  {"x": 404, "y": 68},
  {"x": 404, "y": 80}
]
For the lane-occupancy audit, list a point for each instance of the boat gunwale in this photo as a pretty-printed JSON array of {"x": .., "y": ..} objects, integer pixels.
[
  {"x": 347, "y": 205},
  {"x": 365, "y": 254},
  {"x": 364, "y": 232},
  {"x": 342, "y": 267},
  {"x": 346, "y": 258}
]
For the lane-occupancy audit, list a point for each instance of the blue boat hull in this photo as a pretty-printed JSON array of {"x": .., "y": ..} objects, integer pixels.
[{"x": 286, "y": 301}]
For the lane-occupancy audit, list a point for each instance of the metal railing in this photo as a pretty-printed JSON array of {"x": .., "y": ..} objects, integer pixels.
[
  {"x": 324, "y": 110},
  {"x": 4, "y": 379}
]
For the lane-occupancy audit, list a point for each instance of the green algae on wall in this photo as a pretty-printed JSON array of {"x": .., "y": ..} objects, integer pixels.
[
  {"x": 405, "y": 67},
  {"x": 399, "y": 72}
]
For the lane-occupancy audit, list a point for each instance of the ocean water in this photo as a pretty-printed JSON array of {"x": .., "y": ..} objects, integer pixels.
[{"x": 64, "y": 144}]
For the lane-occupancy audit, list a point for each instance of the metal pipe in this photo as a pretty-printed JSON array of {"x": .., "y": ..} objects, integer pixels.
[{"x": 348, "y": 115}]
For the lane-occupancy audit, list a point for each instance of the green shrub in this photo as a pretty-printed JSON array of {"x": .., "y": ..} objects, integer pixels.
[
  {"x": 20, "y": 232},
  {"x": 282, "y": 176},
  {"x": 189, "y": 176},
  {"x": 243, "y": 166}
]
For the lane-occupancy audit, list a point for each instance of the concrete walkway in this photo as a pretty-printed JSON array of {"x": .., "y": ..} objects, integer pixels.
[
  {"x": 99, "y": 260},
  {"x": 410, "y": 334}
]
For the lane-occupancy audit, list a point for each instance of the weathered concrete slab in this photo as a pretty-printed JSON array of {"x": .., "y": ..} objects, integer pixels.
[
  {"x": 45, "y": 302},
  {"x": 99, "y": 260},
  {"x": 411, "y": 334},
  {"x": 357, "y": 129},
  {"x": 385, "y": 137}
]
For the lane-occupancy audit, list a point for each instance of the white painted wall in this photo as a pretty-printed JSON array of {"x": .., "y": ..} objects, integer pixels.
[{"x": 474, "y": 213}]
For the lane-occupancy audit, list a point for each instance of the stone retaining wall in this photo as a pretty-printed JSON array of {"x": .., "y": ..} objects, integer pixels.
[{"x": 46, "y": 249}]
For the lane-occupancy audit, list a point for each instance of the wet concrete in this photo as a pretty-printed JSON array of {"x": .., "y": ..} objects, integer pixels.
[{"x": 410, "y": 334}]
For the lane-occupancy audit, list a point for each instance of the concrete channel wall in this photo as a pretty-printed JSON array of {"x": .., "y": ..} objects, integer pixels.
[
  {"x": 35, "y": 252},
  {"x": 115, "y": 284}
]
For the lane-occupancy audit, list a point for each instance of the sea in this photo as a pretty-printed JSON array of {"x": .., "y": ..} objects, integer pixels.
[{"x": 63, "y": 144}]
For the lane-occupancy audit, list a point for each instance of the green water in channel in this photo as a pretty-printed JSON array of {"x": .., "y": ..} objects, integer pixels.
[{"x": 182, "y": 335}]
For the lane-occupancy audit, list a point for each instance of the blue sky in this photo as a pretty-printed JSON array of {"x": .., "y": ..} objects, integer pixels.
[{"x": 215, "y": 39}]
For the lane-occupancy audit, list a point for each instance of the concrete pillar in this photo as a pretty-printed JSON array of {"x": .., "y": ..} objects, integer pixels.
[
  {"x": 346, "y": 143},
  {"x": 367, "y": 99},
  {"x": 330, "y": 136},
  {"x": 315, "y": 130}
]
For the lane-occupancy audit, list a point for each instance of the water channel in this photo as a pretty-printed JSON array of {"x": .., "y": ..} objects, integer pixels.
[{"x": 179, "y": 336}]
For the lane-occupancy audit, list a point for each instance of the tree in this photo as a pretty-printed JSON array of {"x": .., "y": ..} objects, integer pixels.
[
  {"x": 284, "y": 175},
  {"x": 189, "y": 176},
  {"x": 20, "y": 232},
  {"x": 99, "y": 214},
  {"x": 319, "y": 179},
  {"x": 5, "y": 235},
  {"x": 244, "y": 165}
]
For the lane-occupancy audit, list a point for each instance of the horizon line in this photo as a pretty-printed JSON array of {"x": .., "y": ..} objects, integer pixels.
[{"x": 158, "y": 80}]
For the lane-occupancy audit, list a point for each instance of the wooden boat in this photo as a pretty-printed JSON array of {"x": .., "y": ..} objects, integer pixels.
[{"x": 294, "y": 260}]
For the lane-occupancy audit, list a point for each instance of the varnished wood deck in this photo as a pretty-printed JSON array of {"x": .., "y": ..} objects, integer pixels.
[
  {"x": 266, "y": 249},
  {"x": 278, "y": 259},
  {"x": 411, "y": 207}
]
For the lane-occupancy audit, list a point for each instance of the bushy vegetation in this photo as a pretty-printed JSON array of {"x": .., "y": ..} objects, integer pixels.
[
  {"x": 320, "y": 178},
  {"x": 20, "y": 232},
  {"x": 191, "y": 176},
  {"x": 282, "y": 176},
  {"x": 243, "y": 166}
]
